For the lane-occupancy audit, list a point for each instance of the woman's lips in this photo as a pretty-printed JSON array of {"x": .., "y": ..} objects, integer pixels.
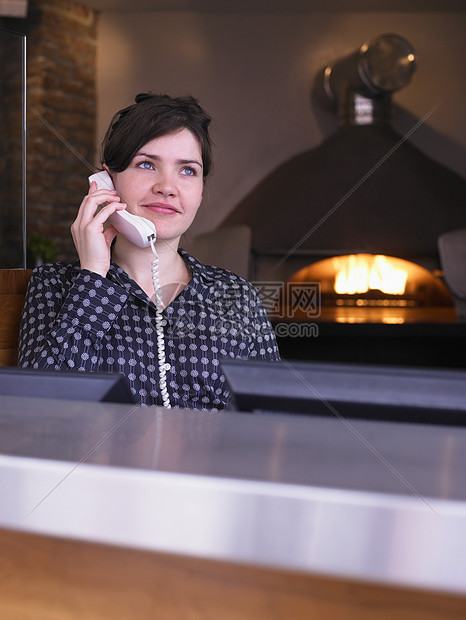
[{"x": 161, "y": 207}]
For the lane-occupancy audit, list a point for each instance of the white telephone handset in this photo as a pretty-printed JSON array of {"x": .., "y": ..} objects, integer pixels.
[
  {"x": 137, "y": 229},
  {"x": 141, "y": 232}
]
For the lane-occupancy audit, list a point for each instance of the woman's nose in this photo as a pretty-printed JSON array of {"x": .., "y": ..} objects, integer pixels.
[{"x": 164, "y": 184}]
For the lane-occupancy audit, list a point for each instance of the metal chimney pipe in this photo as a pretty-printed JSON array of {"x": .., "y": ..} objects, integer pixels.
[{"x": 359, "y": 86}]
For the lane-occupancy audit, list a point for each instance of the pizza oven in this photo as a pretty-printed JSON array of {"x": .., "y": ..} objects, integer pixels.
[{"x": 359, "y": 215}]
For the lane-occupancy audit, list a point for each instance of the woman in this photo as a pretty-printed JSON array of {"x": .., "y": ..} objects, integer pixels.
[{"x": 100, "y": 313}]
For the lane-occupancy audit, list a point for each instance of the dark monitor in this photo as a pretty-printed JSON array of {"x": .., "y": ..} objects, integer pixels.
[
  {"x": 68, "y": 385},
  {"x": 375, "y": 392}
]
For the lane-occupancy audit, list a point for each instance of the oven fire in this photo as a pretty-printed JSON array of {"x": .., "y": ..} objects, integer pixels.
[
  {"x": 360, "y": 273},
  {"x": 374, "y": 288}
]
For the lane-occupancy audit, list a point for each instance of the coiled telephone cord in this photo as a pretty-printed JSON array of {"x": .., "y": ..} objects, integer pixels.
[{"x": 163, "y": 366}]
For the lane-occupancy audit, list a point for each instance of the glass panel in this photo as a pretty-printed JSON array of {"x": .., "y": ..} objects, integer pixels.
[{"x": 12, "y": 150}]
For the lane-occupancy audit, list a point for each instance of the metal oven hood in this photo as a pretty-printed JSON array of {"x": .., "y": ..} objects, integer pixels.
[{"x": 365, "y": 188}]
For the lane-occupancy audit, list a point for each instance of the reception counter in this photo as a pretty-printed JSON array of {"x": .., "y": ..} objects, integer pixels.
[{"x": 111, "y": 510}]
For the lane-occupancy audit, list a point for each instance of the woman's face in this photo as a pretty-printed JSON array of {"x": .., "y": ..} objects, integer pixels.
[{"x": 164, "y": 183}]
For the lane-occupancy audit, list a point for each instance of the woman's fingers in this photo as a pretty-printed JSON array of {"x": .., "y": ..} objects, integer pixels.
[
  {"x": 93, "y": 200},
  {"x": 91, "y": 238},
  {"x": 94, "y": 222}
]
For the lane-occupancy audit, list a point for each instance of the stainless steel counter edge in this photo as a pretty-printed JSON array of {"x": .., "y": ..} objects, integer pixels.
[{"x": 377, "y": 537}]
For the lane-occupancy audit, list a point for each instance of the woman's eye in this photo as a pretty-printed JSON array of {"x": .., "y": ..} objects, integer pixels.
[
  {"x": 188, "y": 171},
  {"x": 146, "y": 165}
]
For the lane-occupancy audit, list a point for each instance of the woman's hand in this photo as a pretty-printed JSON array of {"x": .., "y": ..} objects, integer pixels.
[{"x": 91, "y": 239}]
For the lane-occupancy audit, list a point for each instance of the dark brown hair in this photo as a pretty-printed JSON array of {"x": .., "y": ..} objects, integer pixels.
[{"x": 153, "y": 116}]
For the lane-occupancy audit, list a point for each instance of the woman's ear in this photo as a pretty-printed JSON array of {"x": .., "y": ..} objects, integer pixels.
[{"x": 107, "y": 170}]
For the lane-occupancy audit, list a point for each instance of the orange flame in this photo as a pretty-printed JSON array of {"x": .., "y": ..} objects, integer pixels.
[{"x": 359, "y": 273}]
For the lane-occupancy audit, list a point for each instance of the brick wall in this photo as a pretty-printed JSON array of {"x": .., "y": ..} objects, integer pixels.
[
  {"x": 11, "y": 150},
  {"x": 61, "y": 111}
]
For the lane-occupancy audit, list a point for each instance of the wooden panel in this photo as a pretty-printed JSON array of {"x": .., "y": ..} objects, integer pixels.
[
  {"x": 13, "y": 284},
  {"x": 14, "y": 281},
  {"x": 51, "y": 579},
  {"x": 9, "y": 357},
  {"x": 10, "y": 318}
]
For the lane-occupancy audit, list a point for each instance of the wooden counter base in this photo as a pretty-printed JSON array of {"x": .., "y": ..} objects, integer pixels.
[{"x": 45, "y": 578}]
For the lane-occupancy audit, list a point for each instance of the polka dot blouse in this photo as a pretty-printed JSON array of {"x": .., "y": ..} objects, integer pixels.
[{"x": 76, "y": 319}]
